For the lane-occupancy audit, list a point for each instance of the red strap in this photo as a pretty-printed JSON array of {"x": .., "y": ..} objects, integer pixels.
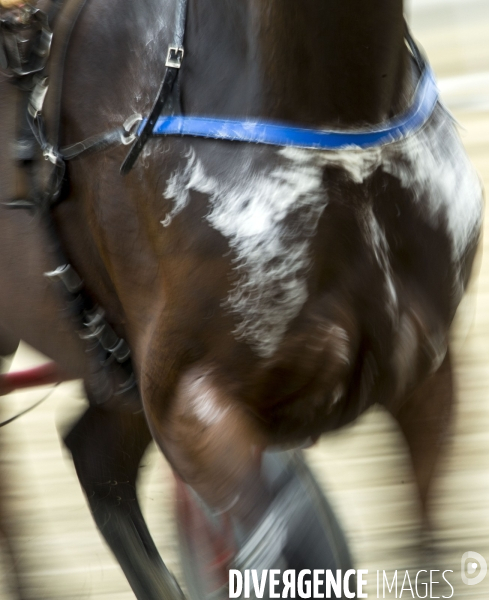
[{"x": 42, "y": 375}]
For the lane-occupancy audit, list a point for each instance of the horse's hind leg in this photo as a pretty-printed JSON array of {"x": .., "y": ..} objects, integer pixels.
[
  {"x": 107, "y": 448},
  {"x": 425, "y": 420}
]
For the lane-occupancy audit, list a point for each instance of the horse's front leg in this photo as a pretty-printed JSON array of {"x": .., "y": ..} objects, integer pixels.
[
  {"x": 214, "y": 445},
  {"x": 107, "y": 448}
]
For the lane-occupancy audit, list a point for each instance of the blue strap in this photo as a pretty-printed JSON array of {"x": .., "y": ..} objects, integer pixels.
[{"x": 425, "y": 99}]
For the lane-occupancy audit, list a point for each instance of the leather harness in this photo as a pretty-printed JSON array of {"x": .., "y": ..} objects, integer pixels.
[{"x": 116, "y": 389}]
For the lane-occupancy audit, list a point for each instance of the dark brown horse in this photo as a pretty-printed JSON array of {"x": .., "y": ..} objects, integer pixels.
[{"x": 268, "y": 294}]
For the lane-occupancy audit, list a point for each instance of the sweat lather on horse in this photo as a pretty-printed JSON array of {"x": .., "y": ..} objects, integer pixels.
[{"x": 269, "y": 292}]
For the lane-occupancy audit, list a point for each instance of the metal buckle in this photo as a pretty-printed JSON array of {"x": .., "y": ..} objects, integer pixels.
[
  {"x": 130, "y": 127},
  {"x": 174, "y": 57},
  {"x": 50, "y": 154},
  {"x": 36, "y": 99}
]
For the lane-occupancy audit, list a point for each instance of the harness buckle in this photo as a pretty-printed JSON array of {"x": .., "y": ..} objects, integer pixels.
[
  {"x": 174, "y": 57},
  {"x": 38, "y": 94},
  {"x": 50, "y": 154},
  {"x": 130, "y": 127}
]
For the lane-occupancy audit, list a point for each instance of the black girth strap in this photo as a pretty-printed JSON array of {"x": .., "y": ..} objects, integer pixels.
[{"x": 173, "y": 63}]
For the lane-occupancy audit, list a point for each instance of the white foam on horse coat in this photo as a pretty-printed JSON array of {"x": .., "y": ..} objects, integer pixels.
[
  {"x": 270, "y": 214},
  {"x": 434, "y": 165},
  {"x": 252, "y": 210},
  {"x": 377, "y": 240}
]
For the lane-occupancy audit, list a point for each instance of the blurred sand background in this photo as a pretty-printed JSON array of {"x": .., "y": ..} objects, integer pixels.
[{"x": 365, "y": 469}]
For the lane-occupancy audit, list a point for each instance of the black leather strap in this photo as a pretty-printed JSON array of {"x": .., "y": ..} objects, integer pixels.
[
  {"x": 173, "y": 63},
  {"x": 95, "y": 143}
]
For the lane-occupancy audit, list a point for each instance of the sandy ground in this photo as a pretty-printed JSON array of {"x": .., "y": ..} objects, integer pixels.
[{"x": 365, "y": 469}]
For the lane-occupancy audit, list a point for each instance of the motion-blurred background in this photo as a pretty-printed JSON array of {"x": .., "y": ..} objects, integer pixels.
[{"x": 58, "y": 552}]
